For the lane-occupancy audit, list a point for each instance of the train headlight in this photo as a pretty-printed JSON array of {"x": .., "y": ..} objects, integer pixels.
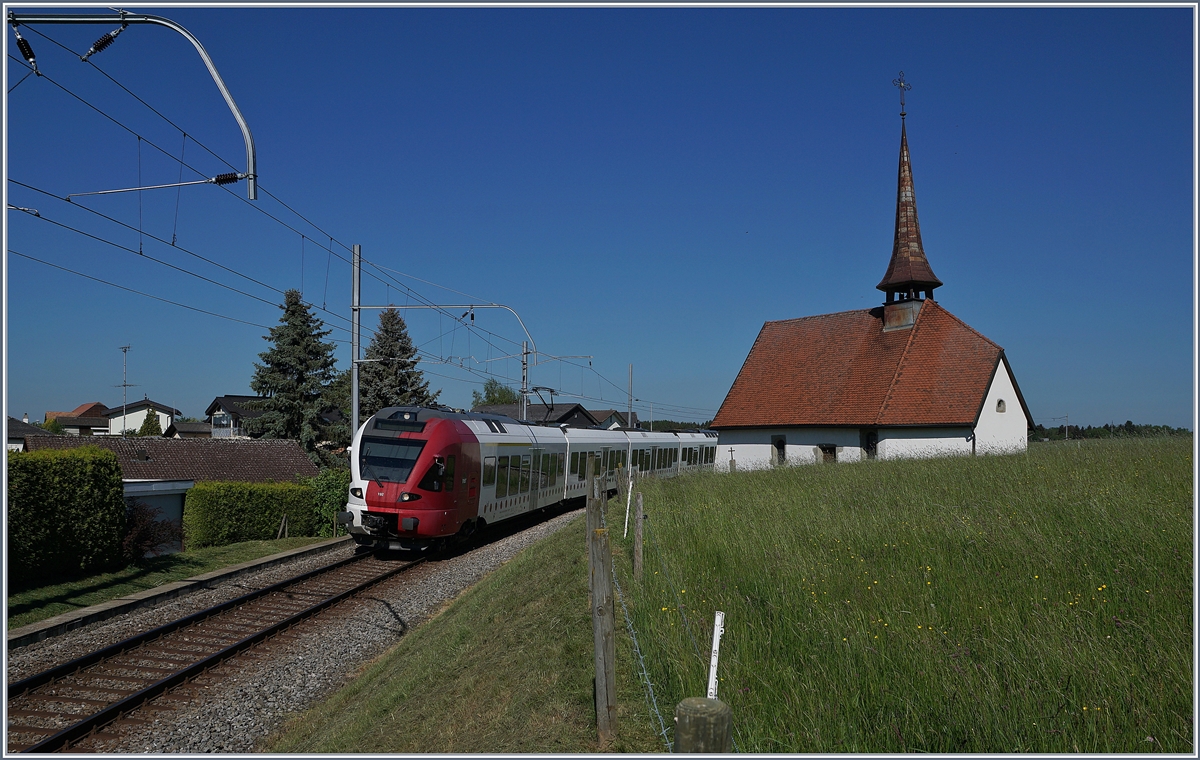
[
  {"x": 406, "y": 496},
  {"x": 356, "y": 493}
]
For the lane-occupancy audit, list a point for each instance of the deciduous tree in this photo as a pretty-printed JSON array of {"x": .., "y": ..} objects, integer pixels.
[{"x": 494, "y": 392}]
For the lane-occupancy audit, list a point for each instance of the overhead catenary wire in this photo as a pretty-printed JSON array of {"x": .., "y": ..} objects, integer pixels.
[
  {"x": 138, "y": 292},
  {"x": 386, "y": 272},
  {"x": 256, "y": 207}
]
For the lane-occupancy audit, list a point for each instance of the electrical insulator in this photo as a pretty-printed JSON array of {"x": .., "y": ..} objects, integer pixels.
[
  {"x": 26, "y": 50},
  {"x": 103, "y": 42},
  {"x": 226, "y": 179}
]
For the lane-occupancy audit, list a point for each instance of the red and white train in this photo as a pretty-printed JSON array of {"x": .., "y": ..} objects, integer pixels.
[{"x": 420, "y": 476}]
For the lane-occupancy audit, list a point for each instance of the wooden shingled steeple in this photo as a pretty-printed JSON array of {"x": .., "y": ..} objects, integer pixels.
[{"x": 909, "y": 275}]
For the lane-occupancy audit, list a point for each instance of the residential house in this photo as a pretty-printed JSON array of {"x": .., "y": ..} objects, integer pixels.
[
  {"x": 610, "y": 418},
  {"x": 19, "y": 430},
  {"x": 905, "y": 379},
  {"x": 85, "y": 419},
  {"x": 571, "y": 415},
  {"x": 131, "y": 416},
  {"x": 159, "y": 471},
  {"x": 226, "y": 415},
  {"x": 188, "y": 430}
]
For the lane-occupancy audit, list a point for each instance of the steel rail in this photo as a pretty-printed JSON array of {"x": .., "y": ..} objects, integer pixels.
[
  {"x": 114, "y": 711},
  {"x": 18, "y": 688}
]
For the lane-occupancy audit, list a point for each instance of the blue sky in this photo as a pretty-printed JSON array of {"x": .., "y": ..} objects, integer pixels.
[{"x": 643, "y": 186}]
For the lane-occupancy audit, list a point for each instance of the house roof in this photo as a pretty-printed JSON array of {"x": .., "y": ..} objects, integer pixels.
[
  {"x": 603, "y": 414},
  {"x": 90, "y": 409},
  {"x": 558, "y": 414},
  {"x": 187, "y": 427},
  {"x": 141, "y": 403},
  {"x": 236, "y": 459},
  {"x": 83, "y": 422},
  {"x": 235, "y": 405},
  {"x": 908, "y": 267},
  {"x": 19, "y": 429},
  {"x": 843, "y": 370}
]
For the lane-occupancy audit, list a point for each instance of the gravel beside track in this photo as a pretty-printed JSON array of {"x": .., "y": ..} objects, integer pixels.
[{"x": 235, "y": 706}]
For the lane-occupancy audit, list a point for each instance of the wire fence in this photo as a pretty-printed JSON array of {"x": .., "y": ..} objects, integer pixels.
[{"x": 643, "y": 673}]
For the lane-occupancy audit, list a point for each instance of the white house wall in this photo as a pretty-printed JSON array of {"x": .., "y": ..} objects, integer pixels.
[
  {"x": 135, "y": 420},
  {"x": 1001, "y": 432},
  {"x": 752, "y": 449},
  {"x": 917, "y": 443}
]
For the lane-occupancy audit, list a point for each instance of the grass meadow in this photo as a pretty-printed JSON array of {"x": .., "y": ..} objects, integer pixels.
[{"x": 1040, "y": 602}]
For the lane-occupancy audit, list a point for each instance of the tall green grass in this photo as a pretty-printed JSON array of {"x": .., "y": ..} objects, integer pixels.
[{"x": 1040, "y": 602}]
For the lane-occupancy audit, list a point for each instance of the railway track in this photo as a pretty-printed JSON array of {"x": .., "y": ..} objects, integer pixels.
[{"x": 52, "y": 710}]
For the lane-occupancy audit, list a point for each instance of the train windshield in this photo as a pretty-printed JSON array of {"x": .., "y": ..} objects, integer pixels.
[{"x": 388, "y": 460}]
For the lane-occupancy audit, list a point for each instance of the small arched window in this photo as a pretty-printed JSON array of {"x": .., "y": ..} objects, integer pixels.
[{"x": 1000, "y": 407}]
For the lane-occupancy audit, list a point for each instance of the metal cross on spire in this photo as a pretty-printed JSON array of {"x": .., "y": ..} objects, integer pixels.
[{"x": 904, "y": 86}]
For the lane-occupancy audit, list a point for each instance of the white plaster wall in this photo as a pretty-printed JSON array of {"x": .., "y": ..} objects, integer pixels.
[
  {"x": 915, "y": 443},
  {"x": 1001, "y": 432},
  {"x": 135, "y": 420},
  {"x": 752, "y": 448}
]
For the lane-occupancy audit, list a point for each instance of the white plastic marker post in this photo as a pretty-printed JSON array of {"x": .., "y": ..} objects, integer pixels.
[
  {"x": 628, "y": 496},
  {"x": 718, "y": 629}
]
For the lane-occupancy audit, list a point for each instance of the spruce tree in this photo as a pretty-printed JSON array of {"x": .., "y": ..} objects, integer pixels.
[
  {"x": 392, "y": 379},
  {"x": 150, "y": 425},
  {"x": 294, "y": 377}
]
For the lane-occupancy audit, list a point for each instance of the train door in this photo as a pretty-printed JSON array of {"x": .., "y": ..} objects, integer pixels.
[{"x": 534, "y": 480}]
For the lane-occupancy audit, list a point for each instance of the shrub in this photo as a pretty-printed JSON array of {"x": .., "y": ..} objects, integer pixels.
[
  {"x": 145, "y": 533},
  {"x": 220, "y": 513},
  {"x": 66, "y": 513},
  {"x": 329, "y": 497}
]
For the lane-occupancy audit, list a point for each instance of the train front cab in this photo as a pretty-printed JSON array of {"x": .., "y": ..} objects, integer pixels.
[{"x": 415, "y": 480}]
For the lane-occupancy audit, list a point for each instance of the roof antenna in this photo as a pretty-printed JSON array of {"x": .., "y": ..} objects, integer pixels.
[{"x": 904, "y": 87}]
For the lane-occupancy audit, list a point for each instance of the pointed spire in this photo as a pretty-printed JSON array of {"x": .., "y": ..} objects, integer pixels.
[{"x": 908, "y": 272}]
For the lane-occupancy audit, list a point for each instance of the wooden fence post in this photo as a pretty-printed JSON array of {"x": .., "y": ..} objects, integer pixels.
[
  {"x": 703, "y": 725},
  {"x": 638, "y": 516},
  {"x": 604, "y": 638},
  {"x": 593, "y": 519}
]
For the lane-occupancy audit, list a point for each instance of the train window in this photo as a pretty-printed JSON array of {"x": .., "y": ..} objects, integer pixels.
[
  {"x": 502, "y": 478},
  {"x": 560, "y": 463},
  {"x": 489, "y": 471},
  {"x": 574, "y": 462},
  {"x": 449, "y": 477},
  {"x": 435, "y": 476},
  {"x": 525, "y": 473},
  {"x": 546, "y": 471},
  {"x": 491, "y": 426},
  {"x": 514, "y": 476},
  {"x": 500, "y": 426},
  {"x": 388, "y": 460}
]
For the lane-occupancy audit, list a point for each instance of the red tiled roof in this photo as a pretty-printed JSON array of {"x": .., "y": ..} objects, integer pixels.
[
  {"x": 844, "y": 370},
  {"x": 244, "y": 460},
  {"x": 90, "y": 409}
]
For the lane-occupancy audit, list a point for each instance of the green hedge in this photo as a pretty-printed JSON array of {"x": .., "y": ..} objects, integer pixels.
[
  {"x": 330, "y": 490},
  {"x": 220, "y": 513},
  {"x": 66, "y": 513}
]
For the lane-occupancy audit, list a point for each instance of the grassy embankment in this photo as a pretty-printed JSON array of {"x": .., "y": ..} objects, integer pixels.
[
  {"x": 1038, "y": 603},
  {"x": 30, "y": 604}
]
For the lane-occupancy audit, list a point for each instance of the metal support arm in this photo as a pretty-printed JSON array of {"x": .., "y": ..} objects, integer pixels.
[{"x": 16, "y": 19}]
